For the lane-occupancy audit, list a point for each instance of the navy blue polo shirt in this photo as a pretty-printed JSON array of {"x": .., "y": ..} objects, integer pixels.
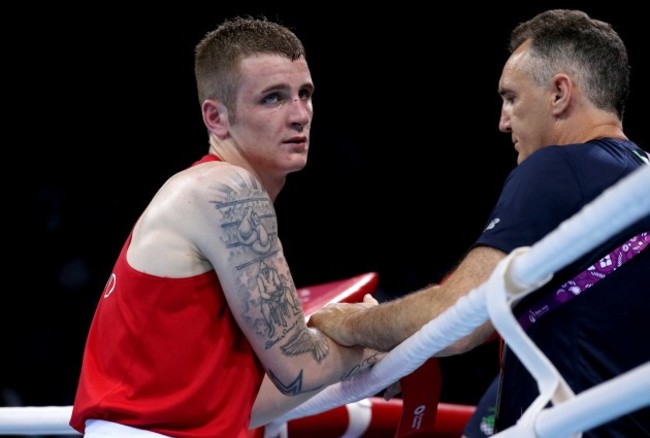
[{"x": 594, "y": 336}]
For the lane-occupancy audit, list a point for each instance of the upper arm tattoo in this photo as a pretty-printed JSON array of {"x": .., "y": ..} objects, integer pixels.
[{"x": 250, "y": 235}]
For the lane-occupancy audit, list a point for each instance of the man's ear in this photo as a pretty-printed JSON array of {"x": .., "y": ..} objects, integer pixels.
[
  {"x": 562, "y": 93},
  {"x": 215, "y": 118}
]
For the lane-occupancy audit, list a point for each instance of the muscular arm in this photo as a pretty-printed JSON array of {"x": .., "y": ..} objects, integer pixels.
[
  {"x": 234, "y": 227},
  {"x": 271, "y": 403},
  {"x": 384, "y": 326}
]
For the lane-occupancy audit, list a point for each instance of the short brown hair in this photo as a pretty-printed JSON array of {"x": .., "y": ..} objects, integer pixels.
[{"x": 219, "y": 53}]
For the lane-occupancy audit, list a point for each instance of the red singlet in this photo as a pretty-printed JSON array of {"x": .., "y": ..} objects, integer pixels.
[{"x": 166, "y": 355}]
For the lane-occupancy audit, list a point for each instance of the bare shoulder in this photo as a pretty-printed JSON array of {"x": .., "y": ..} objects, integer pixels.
[
  {"x": 213, "y": 178},
  {"x": 231, "y": 211},
  {"x": 195, "y": 192},
  {"x": 189, "y": 217},
  {"x": 219, "y": 192}
]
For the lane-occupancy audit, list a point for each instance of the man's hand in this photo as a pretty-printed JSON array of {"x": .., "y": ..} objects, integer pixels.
[
  {"x": 392, "y": 391},
  {"x": 334, "y": 319}
]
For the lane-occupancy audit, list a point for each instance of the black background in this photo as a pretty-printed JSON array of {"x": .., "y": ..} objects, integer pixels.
[{"x": 406, "y": 158}]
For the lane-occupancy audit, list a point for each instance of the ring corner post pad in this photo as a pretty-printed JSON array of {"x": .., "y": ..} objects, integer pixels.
[
  {"x": 504, "y": 289},
  {"x": 420, "y": 395}
]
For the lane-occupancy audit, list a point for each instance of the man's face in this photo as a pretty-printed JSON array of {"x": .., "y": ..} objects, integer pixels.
[
  {"x": 525, "y": 111},
  {"x": 274, "y": 113}
]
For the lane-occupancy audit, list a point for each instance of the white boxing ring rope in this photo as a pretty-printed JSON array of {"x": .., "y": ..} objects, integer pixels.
[{"x": 523, "y": 271}]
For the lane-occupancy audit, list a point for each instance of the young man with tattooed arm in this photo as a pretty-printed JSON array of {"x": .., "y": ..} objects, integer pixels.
[{"x": 201, "y": 305}]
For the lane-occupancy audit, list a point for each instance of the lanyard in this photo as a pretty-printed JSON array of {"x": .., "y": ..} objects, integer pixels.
[{"x": 585, "y": 279}]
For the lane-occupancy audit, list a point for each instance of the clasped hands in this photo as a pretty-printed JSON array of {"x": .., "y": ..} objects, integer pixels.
[{"x": 334, "y": 320}]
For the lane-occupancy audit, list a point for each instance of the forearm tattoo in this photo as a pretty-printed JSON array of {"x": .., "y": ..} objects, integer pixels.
[
  {"x": 362, "y": 367},
  {"x": 272, "y": 306},
  {"x": 293, "y": 388}
]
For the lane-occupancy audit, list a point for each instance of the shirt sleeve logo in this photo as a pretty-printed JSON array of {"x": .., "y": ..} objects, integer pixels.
[
  {"x": 110, "y": 285},
  {"x": 493, "y": 223}
]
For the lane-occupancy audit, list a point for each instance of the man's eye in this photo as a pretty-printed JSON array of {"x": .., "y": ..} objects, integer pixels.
[
  {"x": 305, "y": 94},
  {"x": 272, "y": 98}
]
